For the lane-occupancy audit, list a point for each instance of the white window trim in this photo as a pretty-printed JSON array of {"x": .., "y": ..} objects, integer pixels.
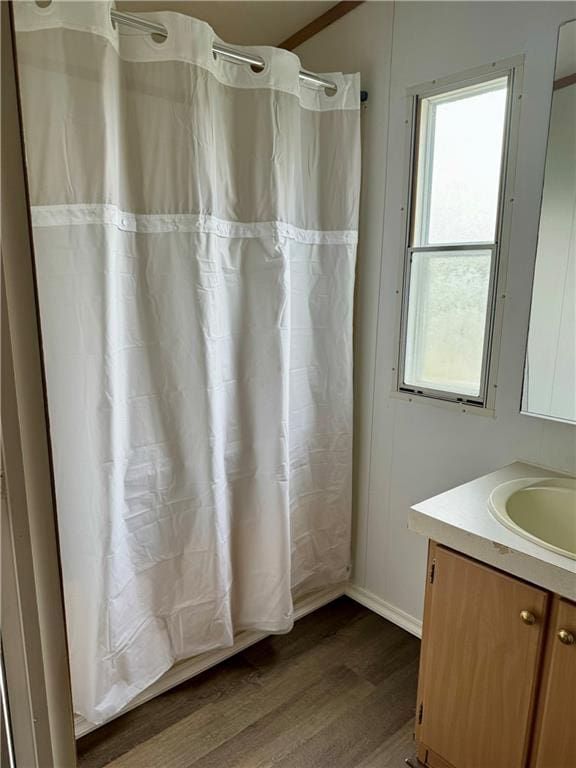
[{"x": 513, "y": 69}]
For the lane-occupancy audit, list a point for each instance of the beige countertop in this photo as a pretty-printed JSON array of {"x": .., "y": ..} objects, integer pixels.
[{"x": 460, "y": 519}]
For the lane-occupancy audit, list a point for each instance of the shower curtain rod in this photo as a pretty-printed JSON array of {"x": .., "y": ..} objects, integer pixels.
[{"x": 137, "y": 22}]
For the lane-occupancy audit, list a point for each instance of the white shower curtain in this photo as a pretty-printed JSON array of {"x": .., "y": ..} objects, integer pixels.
[{"x": 195, "y": 228}]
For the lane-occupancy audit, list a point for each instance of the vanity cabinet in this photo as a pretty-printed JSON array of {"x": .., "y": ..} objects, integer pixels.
[{"x": 497, "y": 684}]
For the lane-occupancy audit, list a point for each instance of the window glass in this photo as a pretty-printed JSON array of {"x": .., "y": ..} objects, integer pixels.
[
  {"x": 447, "y": 302},
  {"x": 459, "y": 165}
]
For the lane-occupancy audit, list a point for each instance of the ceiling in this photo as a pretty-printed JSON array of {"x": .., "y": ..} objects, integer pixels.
[{"x": 243, "y": 22}]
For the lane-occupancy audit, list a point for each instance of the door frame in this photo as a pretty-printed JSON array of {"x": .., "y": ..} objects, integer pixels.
[{"x": 32, "y": 611}]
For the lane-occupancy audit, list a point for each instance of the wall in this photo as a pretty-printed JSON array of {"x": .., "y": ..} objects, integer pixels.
[
  {"x": 249, "y": 22},
  {"x": 407, "y": 452}
]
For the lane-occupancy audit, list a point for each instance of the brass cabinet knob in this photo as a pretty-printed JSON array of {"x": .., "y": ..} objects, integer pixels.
[
  {"x": 527, "y": 617},
  {"x": 566, "y": 637}
]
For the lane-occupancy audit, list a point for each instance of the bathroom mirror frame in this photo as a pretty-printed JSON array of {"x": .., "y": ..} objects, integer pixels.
[{"x": 524, "y": 405}]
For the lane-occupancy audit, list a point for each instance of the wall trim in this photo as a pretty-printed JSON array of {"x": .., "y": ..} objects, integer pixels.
[
  {"x": 185, "y": 670},
  {"x": 384, "y": 609},
  {"x": 318, "y": 24},
  {"x": 563, "y": 82}
]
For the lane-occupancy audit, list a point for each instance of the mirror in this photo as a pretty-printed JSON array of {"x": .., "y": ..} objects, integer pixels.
[{"x": 550, "y": 371}]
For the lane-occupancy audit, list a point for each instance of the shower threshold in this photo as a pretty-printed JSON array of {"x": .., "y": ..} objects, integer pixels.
[{"x": 188, "y": 668}]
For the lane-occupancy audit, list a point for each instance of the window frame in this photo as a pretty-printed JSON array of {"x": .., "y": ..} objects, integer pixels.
[{"x": 512, "y": 70}]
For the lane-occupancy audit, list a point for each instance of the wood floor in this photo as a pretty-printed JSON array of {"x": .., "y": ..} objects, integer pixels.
[{"x": 339, "y": 691}]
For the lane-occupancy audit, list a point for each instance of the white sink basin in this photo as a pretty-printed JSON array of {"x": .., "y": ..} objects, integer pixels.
[{"x": 539, "y": 509}]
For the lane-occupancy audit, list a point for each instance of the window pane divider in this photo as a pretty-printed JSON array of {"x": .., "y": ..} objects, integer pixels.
[{"x": 452, "y": 247}]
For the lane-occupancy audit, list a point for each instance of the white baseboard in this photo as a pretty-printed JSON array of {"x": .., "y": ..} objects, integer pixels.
[
  {"x": 384, "y": 609},
  {"x": 184, "y": 670}
]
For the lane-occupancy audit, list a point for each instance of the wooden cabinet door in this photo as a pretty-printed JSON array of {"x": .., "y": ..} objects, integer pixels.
[
  {"x": 480, "y": 664},
  {"x": 555, "y": 740}
]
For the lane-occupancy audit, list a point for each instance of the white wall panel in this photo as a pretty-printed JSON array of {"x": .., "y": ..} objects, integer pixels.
[{"x": 409, "y": 451}]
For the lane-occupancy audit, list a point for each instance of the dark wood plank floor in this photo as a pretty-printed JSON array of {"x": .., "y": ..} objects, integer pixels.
[{"x": 339, "y": 691}]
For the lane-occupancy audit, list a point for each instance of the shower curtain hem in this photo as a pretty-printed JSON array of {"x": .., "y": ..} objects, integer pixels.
[{"x": 275, "y": 628}]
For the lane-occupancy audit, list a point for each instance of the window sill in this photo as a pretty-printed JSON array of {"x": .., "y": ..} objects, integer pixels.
[{"x": 409, "y": 397}]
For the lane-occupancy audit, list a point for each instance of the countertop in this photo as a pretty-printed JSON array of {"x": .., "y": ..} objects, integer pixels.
[{"x": 460, "y": 519}]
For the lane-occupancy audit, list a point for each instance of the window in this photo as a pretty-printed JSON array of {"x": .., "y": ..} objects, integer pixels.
[{"x": 458, "y": 160}]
